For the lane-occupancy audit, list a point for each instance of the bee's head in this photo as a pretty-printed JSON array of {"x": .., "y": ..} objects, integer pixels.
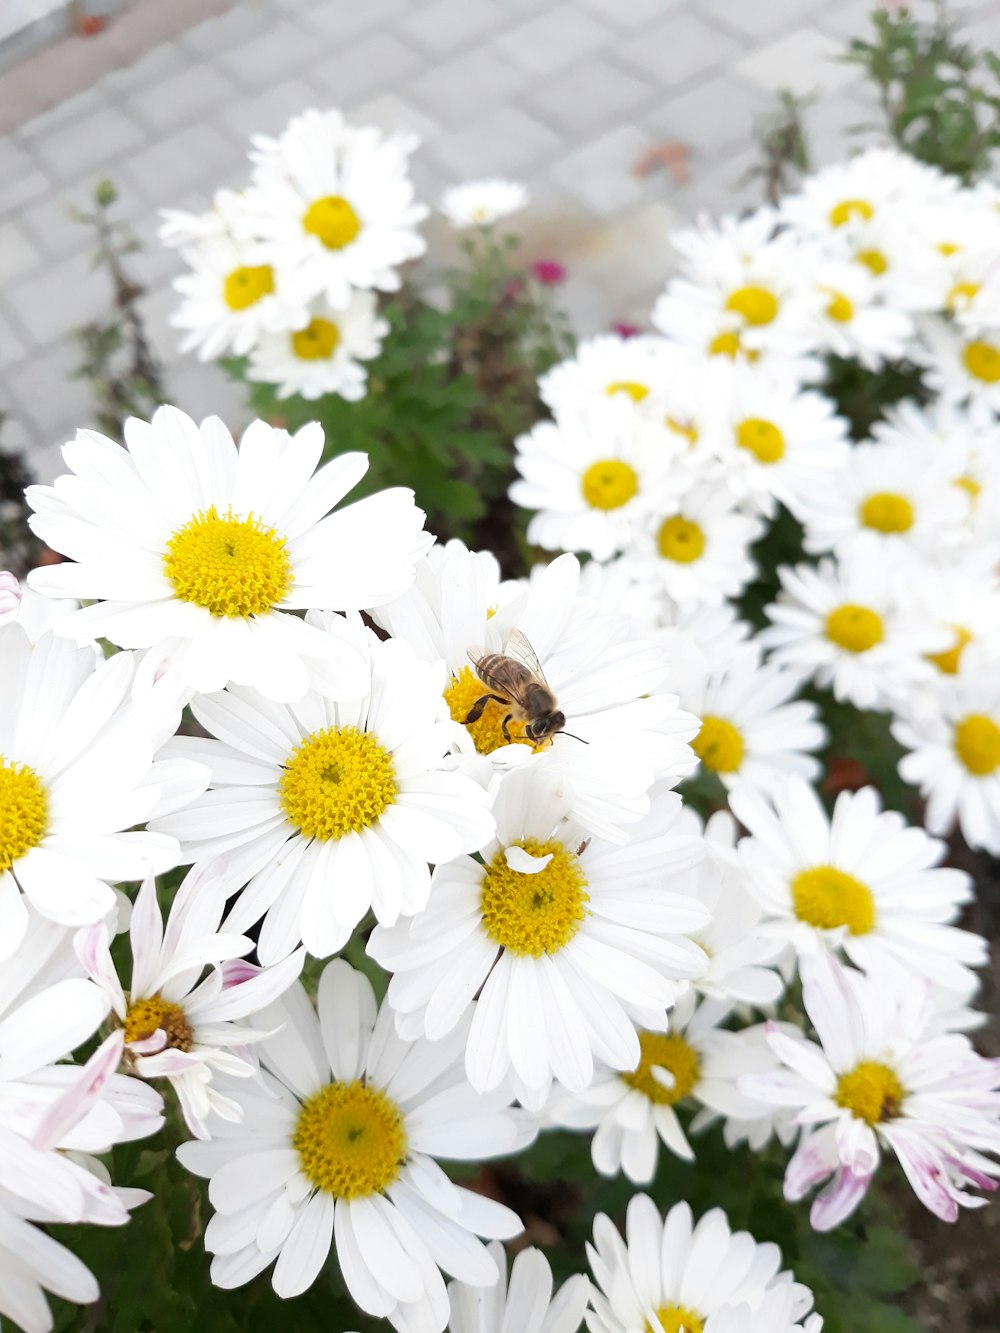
[{"x": 547, "y": 725}]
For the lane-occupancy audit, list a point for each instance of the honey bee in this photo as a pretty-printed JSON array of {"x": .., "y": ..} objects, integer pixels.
[{"x": 515, "y": 679}]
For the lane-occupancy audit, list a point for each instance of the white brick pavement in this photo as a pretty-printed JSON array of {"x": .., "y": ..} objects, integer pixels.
[{"x": 565, "y": 94}]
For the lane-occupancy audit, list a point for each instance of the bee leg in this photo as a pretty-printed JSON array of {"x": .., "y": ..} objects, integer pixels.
[
  {"x": 505, "y": 728},
  {"x": 476, "y": 711}
]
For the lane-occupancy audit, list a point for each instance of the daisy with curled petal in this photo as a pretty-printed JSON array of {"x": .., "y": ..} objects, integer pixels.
[
  {"x": 525, "y": 1304},
  {"x": 882, "y": 1079},
  {"x": 326, "y": 810},
  {"x": 76, "y": 776},
  {"x": 566, "y": 940},
  {"x": 182, "y": 537},
  {"x": 860, "y": 880},
  {"x": 181, "y": 228},
  {"x": 333, "y": 205},
  {"x": 338, "y": 1149},
  {"x": 481, "y": 203},
  {"x": 851, "y": 323},
  {"x": 610, "y": 366},
  {"x": 179, "y": 1023},
  {"x": 592, "y": 474},
  {"x": 671, "y": 1274},
  {"x": 854, "y": 626},
  {"x": 324, "y": 353}
]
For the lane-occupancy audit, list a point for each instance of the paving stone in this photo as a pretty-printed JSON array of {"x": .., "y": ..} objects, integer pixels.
[
  {"x": 553, "y": 40},
  {"x": 17, "y": 253},
  {"x": 375, "y": 63},
  {"x": 22, "y": 178},
  {"x": 282, "y": 48},
  {"x": 343, "y": 21},
  {"x": 269, "y": 111},
  {"x": 198, "y": 90},
  {"x": 219, "y": 35},
  {"x": 93, "y": 140},
  {"x": 66, "y": 113},
  {"x": 56, "y": 297},
  {"x": 591, "y": 95},
  {"x": 679, "y": 51},
  {"x": 13, "y": 346},
  {"x": 757, "y": 23},
  {"x": 201, "y": 389},
  {"x": 448, "y": 24},
  {"x": 393, "y": 114},
  {"x": 164, "y": 60},
  {"x": 199, "y": 156},
  {"x": 804, "y": 61},
  {"x": 600, "y": 174},
  {"x": 632, "y": 13},
  {"x": 711, "y": 118},
  {"x": 51, "y": 418},
  {"x": 505, "y": 141},
  {"x": 461, "y": 89}
]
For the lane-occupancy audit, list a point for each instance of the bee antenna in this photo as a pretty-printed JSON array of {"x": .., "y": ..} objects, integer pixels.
[{"x": 576, "y": 738}]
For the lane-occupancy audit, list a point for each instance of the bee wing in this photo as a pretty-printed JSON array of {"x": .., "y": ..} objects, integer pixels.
[
  {"x": 476, "y": 653},
  {"x": 518, "y": 647}
]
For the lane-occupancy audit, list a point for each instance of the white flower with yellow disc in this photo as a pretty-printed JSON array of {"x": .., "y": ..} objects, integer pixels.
[
  {"x": 326, "y": 809},
  {"x": 525, "y": 1304},
  {"x": 323, "y": 354},
  {"x": 610, "y": 366},
  {"x": 962, "y": 365},
  {"x": 482, "y": 203},
  {"x": 860, "y": 880},
  {"x": 184, "y": 541},
  {"x": 337, "y": 1151},
  {"x": 850, "y": 320}
]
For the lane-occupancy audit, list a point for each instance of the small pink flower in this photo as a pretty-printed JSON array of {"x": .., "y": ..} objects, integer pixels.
[
  {"x": 10, "y": 596},
  {"x": 625, "y": 330},
  {"x": 548, "y": 272}
]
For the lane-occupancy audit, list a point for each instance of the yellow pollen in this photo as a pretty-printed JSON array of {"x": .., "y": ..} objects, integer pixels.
[
  {"x": 756, "y": 304},
  {"x": 874, "y": 261},
  {"x": 317, "y": 341},
  {"x": 850, "y": 208},
  {"x": 972, "y": 488},
  {"x": 961, "y": 295},
  {"x": 532, "y": 915},
  {"x": 246, "y": 286},
  {"x": 840, "y": 308},
  {"x": 231, "y": 566},
  {"x": 948, "y": 661},
  {"x": 144, "y": 1017},
  {"x": 336, "y": 781},
  {"x": 982, "y": 360},
  {"x": 660, "y": 1050},
  {"x": 763, "y": 439},
  {"x": 609, "y": 484},
  {"x": 686, "y": 428},
  {"x": 24, "y": 811},
  {"x": 948, "y": 248},
  {"x": 729, "y": 344},
  {"x": 977, "y": 744},
  {"x": 854, "y": 628},
  {"x": 631, "y": 388},
  {"x": 351, "y": 1140},
  {"x": 675, "y": 1319},
  {"x": 828, "y": 898},
  {"x": 681, "y": 540},
  {"x": 718, "y": 745},
  {"x": 332, "y": 221},
  {"x": 887, "y": 511},
  {"x": 461, "y": 693},
  {"x": 871, "y": 1092}
]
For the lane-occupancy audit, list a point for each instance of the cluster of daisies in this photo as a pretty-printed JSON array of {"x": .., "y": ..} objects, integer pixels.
[{"x": 287, "y": 272}]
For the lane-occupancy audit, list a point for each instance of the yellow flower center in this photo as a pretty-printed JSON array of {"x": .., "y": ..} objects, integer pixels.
[
  {"x": 871, "y": 1092},
  {"x": 144, "y": 1017},
  {"x": 729, "y": 344},
  {"x": 948, "y": 248},
  {"x": 246, "y": 286},
  {"x": 854, "y": 628},
  {"x": 982, "y": 360},
  {"x": 756, "y": 304},
  {"x": 661, "y": 1050},
  {"x": 351, "y": 1140},
  {"x": 686, "y": 428},
  {"x": 676, "y": 1319},
  {"x": 827, "y": 898},
  {"x": 977, "y": 744},
  {"x": 887, "y": 511},
  {"x": 538, "y": 914},
  {"x": 317, "y": 341},
  {"x": 332, "y": 221},
  {"x": 850, "y": 208},
  {"x": 631, "y": 388},
  {"x": 336, "y": 781},
  {"x": 972, "y": 488},
  {"x": 718, "y": 745},
  {"x": 874, "y": 261},
  {"x": 948, "y": 661},
  {"x": 231, "y": 566},
  {"x": 681, "y": 540},
  {"x": 961, "y": 294},
  {"x": 840, "y": 308},
  {"x": 461, "y": 693},
  {"x": 762, "y": 438},
  {"x": 24, "y": 811},
  {"x": 609, "y": 484}
]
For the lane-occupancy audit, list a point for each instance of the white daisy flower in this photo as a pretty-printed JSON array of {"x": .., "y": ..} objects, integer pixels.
[
  {"x": 180, "y": 228},
  {"x": 860, "y": 880},
  {"x": 76, "y": 776},
  {"x": 965, "y": 598},
  {"x": 851, "y": 323},
  {"x": 178, "y": 1023},
  {"x": 697, "y": 547},
  {"x": 752, "y": 1055},
  {"x": 334, "y": 205},
  {"x": 882, "y": 1079},
  {"x": 592, "y": 474},
  {"x": 337, "y": 1149},
  {"x": 620, "y": 588},
  {"x": 326, "y": 809},
  {"x": 525, "y": 1304},
  {"x": 698, "y": 640},
  {"x": 324, "y": 354},
  {"x": 753, "y": 728},
  {"x": 229, "y": 303},
  {"x": 481, "y": 203},
  {"x": 961, "y": 365},
  {"x": 182, "y": 537},
  {"x": 693, "y": 1065},
  {"x": 673, "y": 1274},
  {"x": 853, "y": 626},
  {"x": 895, "y": 255},
  {"x": 567, "y": 941},
  {"x": 954, "y": 752},
  {"x": 610, "y": 366}
]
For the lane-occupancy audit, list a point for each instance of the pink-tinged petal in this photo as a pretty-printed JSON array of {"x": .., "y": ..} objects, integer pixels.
[
  {"x": 235, "y": 971},
  {"x": 92, "y": 945},
  {"x": 837, "y": 1203},
  {"x": 925, "y": 1169},
  {"x": 815, "y": 1160},
  {"x": 256, "y": 992},
  {"x": 968, "y": 1173},
  {"x": 68, "y": 1110},
  {"x": 150, "y": 1045},
  {"x": 146, "y": 939},
  {"x": 857, "y": 1145}
]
